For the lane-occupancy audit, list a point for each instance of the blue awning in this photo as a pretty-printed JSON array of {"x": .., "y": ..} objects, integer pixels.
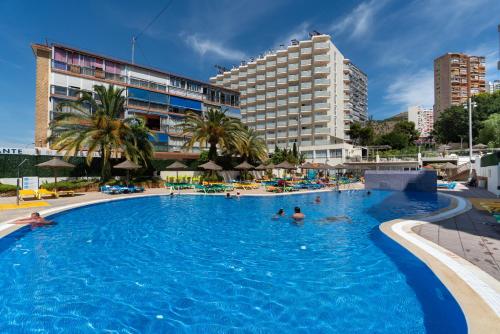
[{"x": 185, "y": 103}]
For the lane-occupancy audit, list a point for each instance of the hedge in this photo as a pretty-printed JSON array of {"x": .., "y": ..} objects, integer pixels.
[{"x": 492, "y": 159}]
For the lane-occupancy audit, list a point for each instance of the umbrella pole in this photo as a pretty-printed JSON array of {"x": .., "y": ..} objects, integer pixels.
[{"x": 55, "y": 180}]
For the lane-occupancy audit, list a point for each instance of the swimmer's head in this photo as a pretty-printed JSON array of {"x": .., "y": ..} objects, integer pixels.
[
  {"x": 35, "y": 215},
  {"x": 296, "y": 209}
]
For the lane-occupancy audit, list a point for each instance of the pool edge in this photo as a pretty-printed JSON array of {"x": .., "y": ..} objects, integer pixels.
[{"x": 477, "y": 293}]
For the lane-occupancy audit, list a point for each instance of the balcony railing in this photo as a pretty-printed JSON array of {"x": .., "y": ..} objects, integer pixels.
[
  {"x": 322, "y": 82},
  {"x": 321, "y": 130}
]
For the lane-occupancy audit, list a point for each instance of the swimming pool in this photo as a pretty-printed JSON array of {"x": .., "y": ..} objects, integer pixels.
[{"x": 206, "y": 264}]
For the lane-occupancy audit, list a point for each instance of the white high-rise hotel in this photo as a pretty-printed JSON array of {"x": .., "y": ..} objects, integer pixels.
[{"x": 302, "y": 94}]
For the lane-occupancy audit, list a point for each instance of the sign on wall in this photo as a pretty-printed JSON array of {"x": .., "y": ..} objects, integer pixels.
[{"x": 30, "y": 182}]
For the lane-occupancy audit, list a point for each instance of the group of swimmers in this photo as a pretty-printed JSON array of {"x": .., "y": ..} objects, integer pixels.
[{"x": 297, "y": 214}]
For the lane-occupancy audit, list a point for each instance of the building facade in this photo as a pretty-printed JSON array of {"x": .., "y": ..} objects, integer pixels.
[
  {"x": 423, "y": 119},
  {"x": 161, "y": 98},
  {"x": 300, "y": 95},
  {"x": 356, "y": 106},
  {"x": 492, "y": 86},
  {"x": 457, "y": 77}
]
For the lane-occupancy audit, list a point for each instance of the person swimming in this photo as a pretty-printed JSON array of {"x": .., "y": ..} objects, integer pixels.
[
  {"x": 228, "y": 196},
  {"x": 317, "y": 200},
  {"x": 279, "y": 214},
  {"x": 34, "y": 220},
  {"x": 297, "y": 215}
]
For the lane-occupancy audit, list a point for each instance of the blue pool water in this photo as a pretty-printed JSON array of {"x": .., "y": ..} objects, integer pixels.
[{"x": 204, "y": 264}]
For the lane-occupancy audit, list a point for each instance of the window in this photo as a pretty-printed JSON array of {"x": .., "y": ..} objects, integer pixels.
[{"x": 194, "y": 87}]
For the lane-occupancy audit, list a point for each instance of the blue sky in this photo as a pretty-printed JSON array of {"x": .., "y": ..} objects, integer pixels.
[{"x": 393, "y": 41}]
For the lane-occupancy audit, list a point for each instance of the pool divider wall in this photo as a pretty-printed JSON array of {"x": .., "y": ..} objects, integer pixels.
[
  {"x": 422, "y": 180},
  {"x": 477, "y": 293}
]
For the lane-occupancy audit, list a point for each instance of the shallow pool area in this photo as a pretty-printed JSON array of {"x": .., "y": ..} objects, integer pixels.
[{"x": 206, "y": 264}]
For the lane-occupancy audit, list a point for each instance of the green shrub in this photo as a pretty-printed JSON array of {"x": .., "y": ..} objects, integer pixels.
[
  {"x": 67, "y": 185},
  {"x": 7, "y": 188}
]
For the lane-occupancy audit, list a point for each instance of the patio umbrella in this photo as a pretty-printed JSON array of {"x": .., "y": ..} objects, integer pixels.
[
  {"x": 285, "y": 165},
  {"x": 449, "y": 165},
  {"x": 261, "y": 167},
  {"x": 244, "y": 166},
  {"x": 307, "y": 165},
  {"x": 55, "y": 164},
  {"x": 176, "y": 166},
  {"x": 210, "y": 166},
  {"x": 480, "y": 146},
  {"x": 339, "y": 166},
  {"x": 128, "y": 166}
]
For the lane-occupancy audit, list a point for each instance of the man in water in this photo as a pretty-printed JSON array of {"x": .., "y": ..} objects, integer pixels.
[
  {"x": 317, "y": 200},
  {"x": 279, "y": 214},
  {"x": 34, "y": 220},
  {"x": 297, "y": 215},
  {"x": 228, "y": 195}
]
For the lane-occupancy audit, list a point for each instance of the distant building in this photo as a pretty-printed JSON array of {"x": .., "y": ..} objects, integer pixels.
[
  {"x": 306, "y": 94},
  {"x": 457, "y": 77},
  {"x": 423, "y": 119},
  {"x": 160, "y": 97},
  {"x": 492, "y": 86}
]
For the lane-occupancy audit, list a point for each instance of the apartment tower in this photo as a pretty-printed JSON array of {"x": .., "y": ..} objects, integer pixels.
[
  {"x": 457, "y": 77},
  {"x": 159, "y": 97},
  {"x": 301, "y": 94},
  {"x": 423, "y": 119}
]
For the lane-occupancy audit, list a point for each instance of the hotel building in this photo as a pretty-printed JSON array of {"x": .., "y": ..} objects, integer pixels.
[
  {"x": 306, "y": 93},
  {"x": 160, "y": 97},
  {"x": 423, "y": 119},
  {"x": 457, "y": 77},
  {"x": 492, "y": 86}
]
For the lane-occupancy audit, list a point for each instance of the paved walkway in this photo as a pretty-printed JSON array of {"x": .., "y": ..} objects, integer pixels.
[{"x": 473, "y": 235}]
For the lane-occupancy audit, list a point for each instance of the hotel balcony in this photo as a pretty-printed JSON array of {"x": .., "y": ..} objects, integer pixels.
[
  {"x": 293, "y": 78},
  {"x": 321, "y": 94},
  {"x": 306, "y": 120},
  {"x": 293, "y": 89},
  {"x": 270, "y": 75},
  {"x": 261, "y": 127},
  {"x": 293, "y": 100},
  {"x": 293, "y": 111},
  {"x": 293, "y": 56},
  {"x": 322, "y": 118},
  {"x": 282, "y": 113},
  {"x": 251, "y": 91},
  {"x": 282, "y": 92},
  {"x": 306, "y": 132},
  {"x": 242, "y": 75},
  {"x": 234, "y": 86},
  {"x": 261, "y": 116},
  {"x": 282, "y": 60},
  {"x": 282, "y": 81},
  {"x": 304, "y": 52},
  {"x": 260, "y": 88},
  {"x": 305, "y": 109},
  {"x": 305, "y": 74},
  {"x": 321, "y": 70},
  {"x": 293, "y": 68},
  {"x": 261, "y": 77},
  {"x": 321, "y": 142},
  {"x": 305, "y": 63},
  {"x": 292, "y": 133},
  {"x": 306, "y": 97},
  {"x": 305, "y": 86},
  {"x": 271, "y": 95},
  {"x": 321, "y": 59},
  {"x": 251, "y": 109},
  {"x": 251, "y": 119},
  {"x": 242, "y": 84},
  {"x": 282, "y": 124},
  {"x": 322, "y": 82},
  {"x": 261, "y": 98},
  {"x": 281, "y": 71},
  {"x": 251, "y": 80},
  {"x": 271, "y": 115},
  {"x": 271, "y": 85},
  {"x": 321, "y": 106},
  {"x": 270, "y": 125},
  {"x": 282, "y": 134},
  {"x": 261, "y": 68},
  {"x": 293, "y": 122},
  {"x": 281, "y": 103},
  {"x": 261, "y": 107},
  {"x": 271, "y": 105},
  {"x": 322, "y": 131},
  {"x": 321, "y": 47},
  {"x": 271, "y": 64}
]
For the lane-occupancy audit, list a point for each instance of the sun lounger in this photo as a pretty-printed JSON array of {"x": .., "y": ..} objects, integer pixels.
[
  {"x": 27, "y": 193},
  {"x": 65, "y": 193},
  {"x": 111, "y": 190},
  {"x": 42, "y": 193}
]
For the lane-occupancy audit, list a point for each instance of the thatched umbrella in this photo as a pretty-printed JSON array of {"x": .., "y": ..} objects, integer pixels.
[
  {"x": 340, "y": 166},
  {"x": 449, "y": 165},
  {"x": 480, "y": 146},
  {"x": 55, "y": 164},
  {"x": 210, "y": 166},
  {"x": 307, "y": 165},
  {"x": 244, "y": 166},
  {"x": 176, "y": 166},
  {"x": 285, "y": 165},
  {"x": 261, "y": 167},
  {"x": 128, "y": 166}
]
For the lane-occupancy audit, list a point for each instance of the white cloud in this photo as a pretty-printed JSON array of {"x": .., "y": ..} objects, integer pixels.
[
  {"x": 360, "y": 20},
  {"x": 411, "y": 89},
  {"x": 206, "y": 46}
]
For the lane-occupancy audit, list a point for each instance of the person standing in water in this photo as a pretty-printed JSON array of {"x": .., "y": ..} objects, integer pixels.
[{"x": 297, "y": 215}]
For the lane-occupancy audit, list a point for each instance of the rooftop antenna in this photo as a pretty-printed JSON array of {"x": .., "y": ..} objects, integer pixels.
[
  {"x": 134, "y": 38},
  {"x": 295, "y": 42},
  {"x": 220, "y": 69}
]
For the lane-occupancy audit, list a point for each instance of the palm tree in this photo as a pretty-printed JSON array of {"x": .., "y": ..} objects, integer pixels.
[
  {"x": 214, "y": 128},
  {"x": 95, "y": 124},
  {"x": 251, "y": 146}
]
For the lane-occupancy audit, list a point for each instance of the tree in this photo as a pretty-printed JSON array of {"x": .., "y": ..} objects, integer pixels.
[
  {"x": 451, "y": 124},
  {"x": 366, "y": 136},
  {"x": 354, "y": 132},
  {"x": 214, "y": 128},
  {"x": 251, "y": 146},
  {"x": 407, "y": 128},
  {"x": 397, "y": 140},
  {"x": 95, "y": 125},
  {"x": 490, "y": 131}
]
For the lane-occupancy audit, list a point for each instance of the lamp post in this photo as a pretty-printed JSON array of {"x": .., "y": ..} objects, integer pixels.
[
  {"x": 17, "y": 182},
  {"x": 470, "y": 105}
]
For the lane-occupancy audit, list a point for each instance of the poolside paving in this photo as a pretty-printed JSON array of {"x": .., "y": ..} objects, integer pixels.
[{"x": 473, "y": 235}]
